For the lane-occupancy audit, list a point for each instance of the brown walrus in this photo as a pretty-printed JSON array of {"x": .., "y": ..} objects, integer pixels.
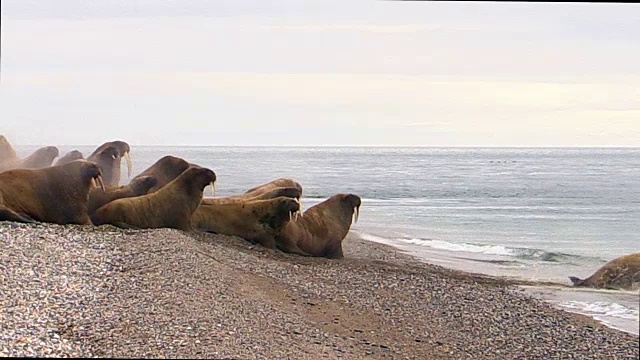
[
  {"x": 108, "y": 159},
  {"x": 8, "y": 156},
  {"x": 41, "y": 158},
  {"x": 111, "y": 168},
  {"x": 253, "y": 220},
  {"x": 620, "y": 273},
  {"x": 56, "y": 194},
  {"x": 321, "y": 231},
  {"x": 165, "y": 170},
  {"x": 69, "y": 157},
  {"x": 278, "y": 183},
  {"x": 171, "y": 206},
  {"x": 290, "y": 192},
  {"x": 136, "y": 187}
]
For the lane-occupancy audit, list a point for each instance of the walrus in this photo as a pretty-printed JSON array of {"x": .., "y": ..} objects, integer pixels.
[
  {"x": 322, "y": 228},
  {"x": 290, "y": 192},
  {"x": 620, "y": 273},
  {"x": 56, "y": 194},
  {"x": 169, "y": 207},
  {"x": 254, "y": 220},
  {"x": 165, "y": 170},
  {"x": 278, "y": 183},
  {"x": 111, "y": 169},
  {"x": 41, "y": 158},
  {"x": 108, "y": 158},
  {"x": 136, "y": 187},
  {"x": 69, "y": 157},
  {"x": 8, "y": 154}
]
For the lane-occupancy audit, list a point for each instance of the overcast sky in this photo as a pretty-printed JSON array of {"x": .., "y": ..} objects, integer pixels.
[{"x": 294, "y": 72}]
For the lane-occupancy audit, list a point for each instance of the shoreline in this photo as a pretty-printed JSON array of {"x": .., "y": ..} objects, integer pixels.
[
  {"x": 102, "y": 291},
  {"x": 546, "y": 290}
]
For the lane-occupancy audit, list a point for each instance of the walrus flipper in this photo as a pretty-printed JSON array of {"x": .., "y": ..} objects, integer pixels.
[
  {"x": 291, "y": 248},
  {"x": 576, "y": 281},
  {"x": 10, "y": 215}
]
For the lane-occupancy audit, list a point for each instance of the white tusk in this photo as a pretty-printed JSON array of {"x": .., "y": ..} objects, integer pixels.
[
  {"x": 289, "y": 215},
  {"x": 213, "y": 188},
  {"x": 129, "y": 163},
  {"x": 113, "y": 157},
  {"x": 356, "y": 210},
  {"x": 100, "y": 182},
  {"x": 93, "y": 183}
]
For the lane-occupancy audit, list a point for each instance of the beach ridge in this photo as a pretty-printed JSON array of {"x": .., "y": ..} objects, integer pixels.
[{"x": 102, "y": 291}]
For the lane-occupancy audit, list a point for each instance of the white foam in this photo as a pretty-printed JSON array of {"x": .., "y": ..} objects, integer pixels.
[
  {"x": 449, "y": 246},
  {"x": 602, "y": 308}
]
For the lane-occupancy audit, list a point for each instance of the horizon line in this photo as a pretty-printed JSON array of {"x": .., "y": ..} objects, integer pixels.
[{"x": 376, "y": 146}]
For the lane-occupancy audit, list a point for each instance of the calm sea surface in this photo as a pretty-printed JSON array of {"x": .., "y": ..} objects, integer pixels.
[{"x": 533, "y": 213}]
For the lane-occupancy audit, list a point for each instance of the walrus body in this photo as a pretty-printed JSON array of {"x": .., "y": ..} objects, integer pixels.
[
  {"x": 290, "y": 192},
  {"x": 137, "y": 187},
  {"x": 72, "y": 155},
  {"x": 111, "y": 166},
  {"x": 278, "y": 183},
  {"x": 165, "y": 170},
  {"x": 620, "y": 273},
  {"x": 322, "y": 228},
  {"x": 171, "y": 206},
  {"x": 56, "y": 194},
  {"x": 253, "y": 220},
  {"x": 41, "y": 158}
]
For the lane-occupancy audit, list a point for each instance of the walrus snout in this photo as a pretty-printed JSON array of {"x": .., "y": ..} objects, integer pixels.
[
  {"x": 292, "y": 207},
  {"x": 92, "y": 173},
  {"x": 354, "y": 202}
]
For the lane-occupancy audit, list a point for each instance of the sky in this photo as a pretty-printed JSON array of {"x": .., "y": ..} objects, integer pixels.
[{"x": 296, "y": 72}]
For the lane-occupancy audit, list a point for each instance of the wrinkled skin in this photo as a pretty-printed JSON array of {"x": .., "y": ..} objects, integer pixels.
[
  {"x": 170, "y": 207},
  {"x": 56, "y": 194},
  {"x": 322, "y": 228},
  {"x": 253, "y": 220},
  {"x": 137, "y": 187}
]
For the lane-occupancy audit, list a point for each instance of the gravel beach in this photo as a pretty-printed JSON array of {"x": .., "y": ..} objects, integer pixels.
[{"x": 70, "y": 291}]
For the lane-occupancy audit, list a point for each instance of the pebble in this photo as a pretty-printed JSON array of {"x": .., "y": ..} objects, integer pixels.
[{"x": 83, "y": 291}]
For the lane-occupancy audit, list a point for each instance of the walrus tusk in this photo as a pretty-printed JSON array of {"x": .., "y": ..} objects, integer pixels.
[
  {"x": 129, "y": 163},
  {"x": 93, "y": 183},
  {"x": 213, "y": 188},
  {"x": 113, "y": 157},
  {"x": 356, "y": 212},
  {"x": 100, "y": 182},
  {"x": 299, "y": 201}
]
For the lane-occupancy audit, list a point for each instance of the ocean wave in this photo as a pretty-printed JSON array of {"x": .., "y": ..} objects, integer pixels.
[
  {"x": 601, "y": 308},
  {"x": 502, "y": 250},
  {"x": 485, "y": 249}
]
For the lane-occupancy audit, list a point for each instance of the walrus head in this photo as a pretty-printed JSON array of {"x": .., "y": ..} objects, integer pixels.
[
  {"x": 350, "y": 204},
  {"x": 90, "y": 173},
  {"x": 41, "y": 158},
  {"x": 200, "y": 177},
  {"x": 109, "y": 161},
  {"x": 123, "y": 150},
  {"x": 142, "y": 184},
  {"x": 69, "y": 157}
]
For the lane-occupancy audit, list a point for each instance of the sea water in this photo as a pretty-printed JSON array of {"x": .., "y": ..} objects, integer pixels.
[{"x": 539, "y": 214}]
